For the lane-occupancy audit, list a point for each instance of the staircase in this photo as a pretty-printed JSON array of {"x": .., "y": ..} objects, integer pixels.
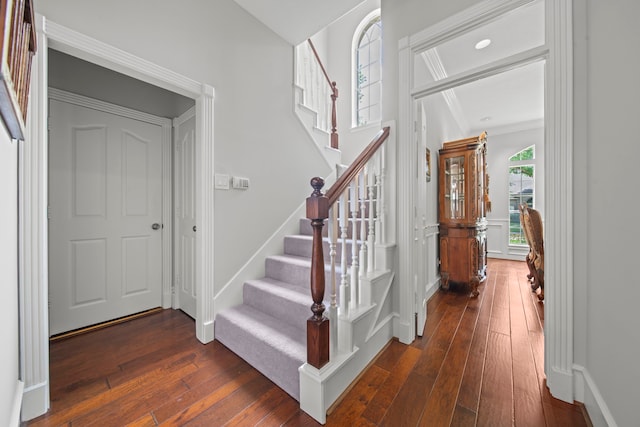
[{"x": 268, "y": 329}]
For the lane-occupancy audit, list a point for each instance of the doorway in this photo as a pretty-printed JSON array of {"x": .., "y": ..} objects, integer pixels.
[
  {"x": 34, "y": 355},
  {"x": 556, "y": 50},
  {"x": 109, "y": 194}
]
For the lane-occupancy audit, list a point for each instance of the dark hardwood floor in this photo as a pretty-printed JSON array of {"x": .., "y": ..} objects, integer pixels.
[{"x": 479, "y": 362}]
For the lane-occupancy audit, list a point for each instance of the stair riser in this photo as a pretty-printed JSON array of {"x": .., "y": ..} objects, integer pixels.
[
  {"x": 303, "y": 247},
  {"x": 279, "y": 366},
  {"x": 298, "y": 275}
]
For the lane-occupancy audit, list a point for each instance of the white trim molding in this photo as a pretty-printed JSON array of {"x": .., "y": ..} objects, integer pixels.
[
  {"x": 588, "y": 393},
  {"x": 33, "y": 255},
  {"x": 204, "y": 215},
  {"x": 557, "y": 51},
  {"x": 558, "y": 229},
  {"x": 33, "y": 211}
]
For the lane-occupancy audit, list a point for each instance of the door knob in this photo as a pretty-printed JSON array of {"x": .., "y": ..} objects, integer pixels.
[
  {"x": 155, "y": 226},
  {"x": 194, "y": 228}
]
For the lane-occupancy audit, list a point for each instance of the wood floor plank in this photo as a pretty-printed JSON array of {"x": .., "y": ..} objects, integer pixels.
[
  {"x": 300, "y": 419},
  {"x": 440, "y": 405},
  {"x": 205, "y": 394},
  {"x": 192, "y": 411},
  {"x": 240, "y": 400},
  {"x": 496, "y": 397},
  {"x": 398, "y": 374},
  {"x": 469, "y": 395},
  {"x": 406, "y": 408},
  {"x": 261, "y": 407},
  {"x": 364, "y": 391},
  {"x": 500, "y": 311},
  {"x": 280, "y": 414},
  {"x": 128, "y": 408},
  {"x": 463, "y": 417},
  {"x": 528, "y": 410},
  {"x": 391, "y": 355},
  {"x": 146, "y": 420}
]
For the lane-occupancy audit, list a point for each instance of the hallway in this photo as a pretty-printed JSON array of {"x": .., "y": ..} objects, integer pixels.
[{"x": 479, "y": 363}]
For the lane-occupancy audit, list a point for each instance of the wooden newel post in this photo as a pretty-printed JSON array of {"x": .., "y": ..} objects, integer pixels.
[{"x": 317, "y": 324}]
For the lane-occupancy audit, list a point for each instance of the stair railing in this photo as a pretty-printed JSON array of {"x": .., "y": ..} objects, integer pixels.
[
  {"x": 334, "y": 96},
  {"x": 355, "y": 208}
]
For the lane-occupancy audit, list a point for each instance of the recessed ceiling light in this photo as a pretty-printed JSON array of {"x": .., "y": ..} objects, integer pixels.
[
  {"x": 485, "y": 119},
  {"x": 483, "y": 43}
]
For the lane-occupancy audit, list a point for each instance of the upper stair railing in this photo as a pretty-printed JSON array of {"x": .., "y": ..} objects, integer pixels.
[
  {"x": 354, "y": 207},
  {"x": 317, "y": 94}
]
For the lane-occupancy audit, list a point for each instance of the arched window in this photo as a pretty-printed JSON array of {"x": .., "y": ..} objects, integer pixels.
[
  {"x": 367, "y": 70},
  {"x": 521, "y": 191}
]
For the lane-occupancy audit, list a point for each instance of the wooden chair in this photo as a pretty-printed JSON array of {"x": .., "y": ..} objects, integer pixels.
[{"x": 531, "y": 222}]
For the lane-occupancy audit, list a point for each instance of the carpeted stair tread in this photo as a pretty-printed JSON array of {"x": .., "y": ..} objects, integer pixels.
[
  {"x": 273, "y": 347},
  {"x": 282, "y": 300}
]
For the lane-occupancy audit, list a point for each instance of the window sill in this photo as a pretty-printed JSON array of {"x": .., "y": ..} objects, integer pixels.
[{"x": 368, "y": 126}]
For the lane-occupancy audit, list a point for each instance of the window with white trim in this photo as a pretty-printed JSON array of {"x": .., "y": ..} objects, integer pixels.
[
  {"x": 367, "y": 71},
  {"x": 521, "y": 191}
]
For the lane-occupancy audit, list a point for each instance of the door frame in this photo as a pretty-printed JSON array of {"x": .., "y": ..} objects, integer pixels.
[
  {"x": 558, "y": 54},
  {"x": 167, "y": 188},
  {"x": 33, "y": 182}
]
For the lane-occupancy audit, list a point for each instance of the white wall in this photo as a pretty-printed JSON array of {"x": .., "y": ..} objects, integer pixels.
[
  {"x": 256, "y": 132},
  {"x": 611, "y": 200},
  {"x": 9, "y": 327},
  {"x": 339, "y": 37}
]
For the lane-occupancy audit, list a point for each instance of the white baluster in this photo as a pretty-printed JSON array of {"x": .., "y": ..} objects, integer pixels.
[
  {"x": 333, "y": 307},
  {"x": 382, "y": 217},
  {"x": 371, "y": 219},
  {"x": 333, "y": 237},
  {"x": 353, "y": 204},
  {"x": 363, "y": 224},
  {"x": 344, "y": 283}
]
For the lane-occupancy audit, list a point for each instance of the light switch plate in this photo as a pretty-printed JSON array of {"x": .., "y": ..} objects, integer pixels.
[{"x": 222, "y": 181}]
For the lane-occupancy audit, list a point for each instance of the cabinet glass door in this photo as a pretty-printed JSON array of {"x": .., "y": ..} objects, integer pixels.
[{"x": 454, "y": 188}]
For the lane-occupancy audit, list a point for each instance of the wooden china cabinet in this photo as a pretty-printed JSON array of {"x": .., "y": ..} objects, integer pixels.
[{"x": 462, "y": 205}]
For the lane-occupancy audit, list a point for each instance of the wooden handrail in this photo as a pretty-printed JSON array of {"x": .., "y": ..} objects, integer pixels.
[
  {"x": 354, "y": 169},
  {"x": 318, "y": 205},
  {"x": 334, "y": 97}
]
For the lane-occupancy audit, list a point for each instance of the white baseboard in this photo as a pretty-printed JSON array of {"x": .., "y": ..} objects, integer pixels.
[
  {"x": 593, "y": 401},
  {"x": 432, "y": 289},
  {"x": 35, "y": 401}
]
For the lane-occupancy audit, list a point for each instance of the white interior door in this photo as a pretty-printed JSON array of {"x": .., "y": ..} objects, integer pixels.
[
  {"x": 185, "y": 212},
  {"x": 105, "y": 194},
  {"x": 421, "y": 278}
]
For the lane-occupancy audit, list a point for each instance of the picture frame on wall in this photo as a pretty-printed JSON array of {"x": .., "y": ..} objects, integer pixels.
[{"x": 17, "y": 48}]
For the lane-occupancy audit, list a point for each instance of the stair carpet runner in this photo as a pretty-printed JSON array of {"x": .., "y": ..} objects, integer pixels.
[{"x": 268, "y": 330}]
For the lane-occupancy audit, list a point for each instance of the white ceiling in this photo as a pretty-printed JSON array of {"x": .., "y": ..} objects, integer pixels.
[
  {"x": 297, "y": 20},
  {"x": 506, "y": 102}
]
